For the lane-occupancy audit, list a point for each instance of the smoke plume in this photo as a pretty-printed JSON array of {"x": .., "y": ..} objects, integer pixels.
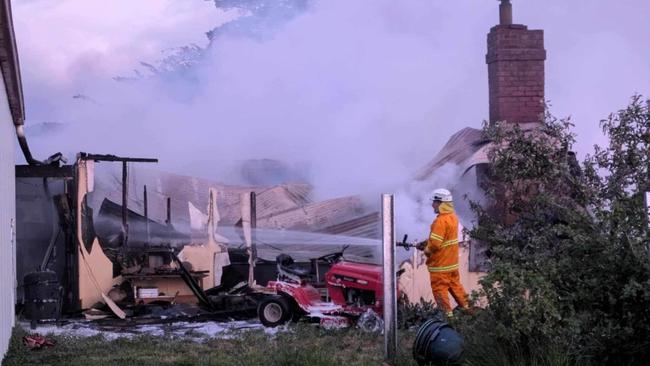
[{"x": 356, "y": 95}]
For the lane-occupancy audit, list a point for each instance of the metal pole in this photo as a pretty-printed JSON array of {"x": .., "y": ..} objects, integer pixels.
[
  {"x": 416, "y": 258},
  {"x": 314, "y": 269},
  {"x": 253, "y": 208},
  {"x": 168, "y": 221},
  {"x": 253, "y": 211},
  {"x": 246, "y": 200},
  {"x": 211, "y": 218},
  {"x": 125, "y": 210},
  {"x": 146, "y": 214},
  {"x": 390, "y": 293}
]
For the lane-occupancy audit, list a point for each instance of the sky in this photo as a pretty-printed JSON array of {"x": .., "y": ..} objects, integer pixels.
[
  {"x": 357, "y": 93},
  {"x": 66, "y": 47}
]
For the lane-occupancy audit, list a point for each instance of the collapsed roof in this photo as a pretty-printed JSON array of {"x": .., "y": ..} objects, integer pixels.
[
  {"x": 466, "y": 148},
  {"x": 287, "y": 218}
]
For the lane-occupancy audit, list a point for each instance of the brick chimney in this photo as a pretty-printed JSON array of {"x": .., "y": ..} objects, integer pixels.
[{"x": 515, "y": 61}]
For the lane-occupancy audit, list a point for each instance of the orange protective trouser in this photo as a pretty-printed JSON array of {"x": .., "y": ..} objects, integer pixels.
[{"x": 444, "y": 282}]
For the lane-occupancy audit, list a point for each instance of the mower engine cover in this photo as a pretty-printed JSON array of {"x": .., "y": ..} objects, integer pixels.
[{"x": 360, "y": 282}]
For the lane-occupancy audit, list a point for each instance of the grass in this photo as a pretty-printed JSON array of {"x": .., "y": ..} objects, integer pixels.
[{"x": 302, "y": 345}]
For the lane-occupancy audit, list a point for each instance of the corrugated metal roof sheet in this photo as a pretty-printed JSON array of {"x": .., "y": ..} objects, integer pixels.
[
  {"x": 183, "y": 189},
  {"x": 282, "y": 198},
  {"x": 315, "y": 216},
  {"x": 460, "y": 148},
  {"x": 367, "y": 226}
]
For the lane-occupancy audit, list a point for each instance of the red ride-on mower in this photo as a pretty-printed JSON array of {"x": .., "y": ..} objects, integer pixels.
[{"x": 354, "y": 289}]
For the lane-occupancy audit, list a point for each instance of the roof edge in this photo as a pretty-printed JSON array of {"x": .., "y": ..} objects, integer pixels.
[{"x": 10, "y": 65}]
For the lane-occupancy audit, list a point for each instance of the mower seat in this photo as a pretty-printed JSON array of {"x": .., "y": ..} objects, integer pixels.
[
  {"x": 286, "y": 264},
  {"x": 298, "y": 271}
]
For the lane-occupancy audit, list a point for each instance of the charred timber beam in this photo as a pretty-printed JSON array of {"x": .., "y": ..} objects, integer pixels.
[
  {"x": 125, "y": 204},
  {"x": 105, "y": 157}
]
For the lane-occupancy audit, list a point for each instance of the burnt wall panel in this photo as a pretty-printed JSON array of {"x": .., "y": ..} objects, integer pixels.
[{"x": 34, "y": 228}]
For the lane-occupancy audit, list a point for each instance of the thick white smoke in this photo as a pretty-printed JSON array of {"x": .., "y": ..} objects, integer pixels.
[
  {"x": 358, "y": 94},
  {"x": 413, "y": 201},
  {"x": 361, "y": 93}
]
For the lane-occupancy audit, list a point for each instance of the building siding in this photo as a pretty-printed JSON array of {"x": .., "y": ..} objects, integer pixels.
[{"x": 7, "y": 220}]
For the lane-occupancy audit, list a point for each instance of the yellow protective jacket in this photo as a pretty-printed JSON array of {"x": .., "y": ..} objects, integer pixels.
[{"x": 443, "y": 241}]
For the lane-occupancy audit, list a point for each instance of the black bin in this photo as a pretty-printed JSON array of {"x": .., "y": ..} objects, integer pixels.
[
  {"x": 437, "y": 343},
  {"x": 42, "y": 296}
]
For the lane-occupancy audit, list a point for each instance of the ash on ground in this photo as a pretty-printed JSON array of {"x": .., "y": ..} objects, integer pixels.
[{"x": 197, "y": 331}]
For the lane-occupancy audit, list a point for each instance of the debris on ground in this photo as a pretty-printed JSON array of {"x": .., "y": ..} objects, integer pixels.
[
  {"x": 37, "y": 341},
  {"x": 195, "y": 331},
  {"x": 370, "y": 322}
]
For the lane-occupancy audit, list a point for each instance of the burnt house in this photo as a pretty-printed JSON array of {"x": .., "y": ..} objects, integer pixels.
[{"x": 91, "y": 222}]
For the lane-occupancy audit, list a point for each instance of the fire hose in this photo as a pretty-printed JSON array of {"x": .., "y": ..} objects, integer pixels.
[{"x": 407, "y": 246}]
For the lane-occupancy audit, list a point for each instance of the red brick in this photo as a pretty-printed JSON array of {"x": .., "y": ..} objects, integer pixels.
[{"x": 515, "y": 60}]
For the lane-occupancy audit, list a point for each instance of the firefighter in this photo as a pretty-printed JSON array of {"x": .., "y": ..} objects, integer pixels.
[{"x": 441, "y": 250}]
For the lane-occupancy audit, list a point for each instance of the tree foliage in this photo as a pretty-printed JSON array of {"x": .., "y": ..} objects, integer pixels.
[{"x": 568, "y": 241}]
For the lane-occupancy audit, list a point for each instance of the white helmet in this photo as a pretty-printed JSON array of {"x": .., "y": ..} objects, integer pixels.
[{"x": 442, "y": 194}]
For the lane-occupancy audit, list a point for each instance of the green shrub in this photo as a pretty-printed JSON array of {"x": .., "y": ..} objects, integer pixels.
[
  {"x": 569, "y": 264},
  {"x": 413, "y": 315}
]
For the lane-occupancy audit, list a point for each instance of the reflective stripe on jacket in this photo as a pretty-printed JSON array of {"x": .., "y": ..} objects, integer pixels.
[{"x": 443, "y": 243}]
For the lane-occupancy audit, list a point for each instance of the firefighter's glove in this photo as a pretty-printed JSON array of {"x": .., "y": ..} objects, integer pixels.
[
  {"x": 427, "y": 252},
  {"x": 421, "y": 245}
]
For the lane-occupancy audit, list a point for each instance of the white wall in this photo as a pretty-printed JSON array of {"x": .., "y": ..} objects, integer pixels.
[{"x": 7, "y": 220}]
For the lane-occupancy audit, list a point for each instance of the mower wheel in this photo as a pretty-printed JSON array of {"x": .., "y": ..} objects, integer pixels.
[
  {"x": 274, "y": 311},
  {"x": 296, "y": 312}
]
